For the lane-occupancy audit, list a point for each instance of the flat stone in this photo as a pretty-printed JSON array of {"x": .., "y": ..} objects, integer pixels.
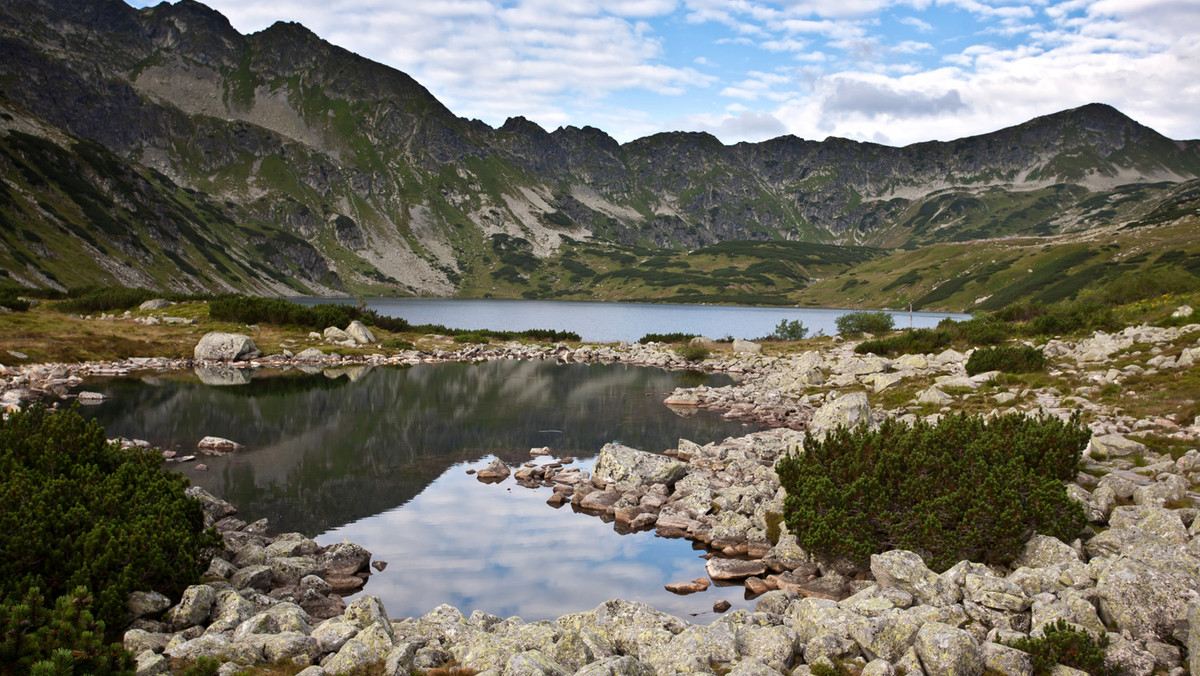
[
  {"x": 683, "y": 588},
  {"x": 734, "y": 569}
]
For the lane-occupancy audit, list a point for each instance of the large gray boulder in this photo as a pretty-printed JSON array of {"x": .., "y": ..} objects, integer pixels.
[
  {"x": 217, "y": 346},
  {"x": 360, "y": 333},
  {"x": 193, "y": 608},
  {"x": 907, "y": 571},
  {"x": 1113, "y": 446},
  {"x": 847, "y": 410},
  {"x": 628, "y": 467},
  {"x": 948, "y": 651},
  {"x": 368, "y": 648}
]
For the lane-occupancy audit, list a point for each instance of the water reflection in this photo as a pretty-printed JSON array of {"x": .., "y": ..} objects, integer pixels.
[{"x": 379, "y": 456}]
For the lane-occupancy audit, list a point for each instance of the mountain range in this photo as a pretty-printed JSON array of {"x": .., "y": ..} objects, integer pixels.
[{"x": 160, "y": 147}]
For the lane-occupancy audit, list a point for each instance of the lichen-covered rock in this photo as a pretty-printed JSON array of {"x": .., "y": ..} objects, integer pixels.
[
  {"x": 576, "y": 648},
  {"x": 229, "y": 610},
  {"x": 996, "y": 593},
  {"x": 368, "y": 648},
  {"x": 217, "y": 346},
  {"x": 533, "y": 663},
  {"x": 480, "y": 650},
  {"x": 1144, "y": 598},
  {"x": 146, "y": 604},
  {"x": 138, "y": 640},
  {"x": 1113, "y": 446},
  {"x": 288, "y": 645},
  {"x": 1042, "y": 551},
  {"x": 368, "y": 611},
  {"x": 1070, "y": 606},
  {"x": 847, "y": 410},
  {"x": 1006, "y": 661},
  {"x": 628, "y": 467},
  {"x": 252, "y": 577},
  {"x": 333, "y": 633},
  {"x": 774, "y": 646},
  {"x": 905, "y": 570},
  {"x": 283, "y": 617},
  {"x": 193, "y": 608},
  {"x": 616, "y": 666},
  {"x": 343, "y": 558},
  {"x": 886, "y": 637},
  {"x": 150, "y": 663},
  {"x": 948, "y": 651}
]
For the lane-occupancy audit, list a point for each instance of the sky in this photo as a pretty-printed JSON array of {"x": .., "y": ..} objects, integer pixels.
[{"x": 888, "y": 71}]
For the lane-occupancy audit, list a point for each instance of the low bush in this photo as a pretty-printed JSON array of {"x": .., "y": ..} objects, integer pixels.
[
  {"x": 1063, "y": 644},
  {"x": 965, "y": 488},
  {"x": 916, "y": 341},
  {"x": 257, "y": 310},
  {"x": 397, "y": 344},
  {"x": 473, "y": 337},
  {"x": 693, "y": 353},
  {"x": 63, "y": 639},
  {"x": 11, "y": 298},
  {"x": 1006, "y": 358},
  {"x": 790, "y": 330},
  {"x": 76, "y": 511},
  {"x": 676, "y": 337},
  {"x": 857, "y": 323}
]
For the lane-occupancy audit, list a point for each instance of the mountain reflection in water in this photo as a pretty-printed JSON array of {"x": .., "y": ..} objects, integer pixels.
[{"x": 344, "y": 453}]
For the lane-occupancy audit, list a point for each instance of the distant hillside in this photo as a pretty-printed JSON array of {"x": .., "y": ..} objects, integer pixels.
[{"x": 160, "y": 147}]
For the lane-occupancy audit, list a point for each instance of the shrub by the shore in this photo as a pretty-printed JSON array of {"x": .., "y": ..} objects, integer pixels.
[
  {"x": 853, "y": 324},
  {"x": 965, "y": 488},
  {"x": 1007, "y": 358},
  {"x": 77, "y": 511}
]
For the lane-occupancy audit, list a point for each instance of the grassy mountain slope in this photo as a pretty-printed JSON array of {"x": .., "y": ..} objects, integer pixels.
[{"x": 188, "y": 155}]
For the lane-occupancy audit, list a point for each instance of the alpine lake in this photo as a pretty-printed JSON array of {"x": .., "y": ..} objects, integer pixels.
[{"x": 381, "y": 456}]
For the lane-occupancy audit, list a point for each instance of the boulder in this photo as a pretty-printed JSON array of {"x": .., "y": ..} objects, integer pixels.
[
  {"x": 948, "y": 651},
  {"x": 1043, "y": 551},
  {"x": 309, "y": 354},
  {"x": 193, "y": 608},
  {"x": 146, "y": 604},
  {"x": 343, "y": 558},
  {"x": 628, "y": 467},
  {"x": 283, "y": 617},
  {"x": 534, "y": 663},
  {"x": 367, "y": 649},
  {"x": 746, "y": 346},
  {"x": 907, "y": 571},
  {"x": 1113, "y": 446},
  {"x": 155, "y": 304},
  {"x": 336, "y": 335},
  {"x": 217, "y": 346},
  {"x": 934, "y": 396},
  {"x": 360, "y": 333},
  {"x": 733, "y": 569},
  {"x": 218, "y": 445},
  {"x": 496, "y": 470},
  {"x": 847, "y": 410}
]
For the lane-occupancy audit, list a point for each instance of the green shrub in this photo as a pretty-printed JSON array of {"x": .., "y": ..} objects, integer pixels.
[
  {"x": 790, "y": 330},
  {"x": 1063, "y": 644},
  {"x": 78, "y": 511},
  {"x": 66, "y": 639},
  {"x": 916, "y": 341},
  {"x": 966, "y": 488},
  {"x": 10, "y": 298},
  {"x": 473, "y": 337},
  {"x": 1007, "y": 358},
  {"x": 257, "y": 310},
  {"x": 676, "y": 337},
  {"x": 693, "y": 353},
  {"x": 397, "y": 344},
  {"x": 857, "y": 323}
]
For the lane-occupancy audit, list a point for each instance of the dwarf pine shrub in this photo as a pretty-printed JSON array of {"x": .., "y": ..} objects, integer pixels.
[
  {"x": 1062, "y": 643},
  {"x": 965, "y": 488},
  {"x": 77, "y": 511},
  {"x": 65, "y": 639},
  {"x": 1006, "y": 358}
]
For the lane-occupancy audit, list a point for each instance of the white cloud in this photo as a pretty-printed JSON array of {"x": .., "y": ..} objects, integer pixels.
[{"x": 923, "y": 26}]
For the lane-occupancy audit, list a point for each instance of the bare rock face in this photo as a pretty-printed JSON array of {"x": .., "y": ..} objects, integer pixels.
[
  {"x": 217, "y": 346},
  {"x": 847, "y": 410}
]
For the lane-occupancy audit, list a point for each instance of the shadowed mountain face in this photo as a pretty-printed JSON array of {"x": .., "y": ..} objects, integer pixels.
[
  {"x": 160, "y": 147},
  {"x": 326, "y": 450}
]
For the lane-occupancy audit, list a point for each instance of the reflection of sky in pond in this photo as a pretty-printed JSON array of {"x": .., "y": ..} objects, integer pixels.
[
  {"x": 379, "y": 457},
  {"x": 501, "y": 549}
]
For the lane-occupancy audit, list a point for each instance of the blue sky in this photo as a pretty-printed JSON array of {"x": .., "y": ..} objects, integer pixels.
[{"x": 889, "y": 71}]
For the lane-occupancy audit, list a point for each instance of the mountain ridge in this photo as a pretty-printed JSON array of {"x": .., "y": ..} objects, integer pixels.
[{"x": 358, "y": 165}]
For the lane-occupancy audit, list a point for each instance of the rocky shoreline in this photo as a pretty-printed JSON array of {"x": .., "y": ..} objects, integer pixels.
[{"x": 1135, "y": 577}]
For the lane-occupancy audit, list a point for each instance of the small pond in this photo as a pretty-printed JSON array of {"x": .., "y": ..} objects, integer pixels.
[{"x": 380, "y": 457}]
